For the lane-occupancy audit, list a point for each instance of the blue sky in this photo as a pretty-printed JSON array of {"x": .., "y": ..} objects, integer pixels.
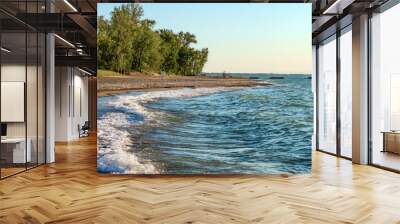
[{"x": 241, "y": 37}]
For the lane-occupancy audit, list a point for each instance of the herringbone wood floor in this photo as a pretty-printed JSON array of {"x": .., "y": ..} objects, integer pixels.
[{"x": 70, "y": 191}]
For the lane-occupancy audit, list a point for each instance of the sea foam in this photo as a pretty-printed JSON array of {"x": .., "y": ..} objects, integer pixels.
[
  {"x": 135, "y": 103},
  {"x": 114, "y": 140},
  {"x": 113, "y": 143}
]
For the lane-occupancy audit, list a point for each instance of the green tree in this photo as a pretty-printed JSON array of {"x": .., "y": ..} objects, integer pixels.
[
  {"x": 200, "y": 60},
  {"x": 121, "y": 34},
  {"x": 190, "y": 60},
  {"x": 146, "y": 48},
  {"x": 169, "y": 49},
  {"x": 129, "y": 42},
  {"x": 187, "y": 38},
  {"x": 104, "y": 55}
]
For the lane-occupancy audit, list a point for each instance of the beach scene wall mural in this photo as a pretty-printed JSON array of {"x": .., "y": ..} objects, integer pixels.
[{"x": 204, "y": 88}]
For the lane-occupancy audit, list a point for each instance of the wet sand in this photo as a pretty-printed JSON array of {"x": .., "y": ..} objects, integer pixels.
[{"x": 115, "y": 84}]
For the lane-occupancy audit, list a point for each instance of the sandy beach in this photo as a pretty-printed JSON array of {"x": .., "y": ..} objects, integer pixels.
[{"x": 137, "y": 81}]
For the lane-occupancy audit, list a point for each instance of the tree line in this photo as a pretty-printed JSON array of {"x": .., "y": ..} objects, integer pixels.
[{"x": 128, "y": 42}]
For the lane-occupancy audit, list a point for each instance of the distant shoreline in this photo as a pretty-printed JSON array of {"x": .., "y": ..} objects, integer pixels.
[{"x": 108, "y": 85}]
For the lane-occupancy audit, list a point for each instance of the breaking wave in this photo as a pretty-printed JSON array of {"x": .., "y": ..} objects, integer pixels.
[
  {"x": 113, "y": 148},
  {"x": 114, "y": 141},
  {"x": 135, "y": 103}
]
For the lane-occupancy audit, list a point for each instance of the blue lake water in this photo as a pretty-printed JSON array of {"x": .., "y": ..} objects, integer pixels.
[{"x": 257, "y": 130}]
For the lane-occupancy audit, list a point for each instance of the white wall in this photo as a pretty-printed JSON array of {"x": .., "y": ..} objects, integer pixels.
[
  {"x": 71, "y": 87},
  {"x": 62, "y": 81},
  {"x": 10, "y": 73},
  {"x": 13, "y": 72},
  {"x": 33, "y": 126},
  {"x": 81, "y": 108}
]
